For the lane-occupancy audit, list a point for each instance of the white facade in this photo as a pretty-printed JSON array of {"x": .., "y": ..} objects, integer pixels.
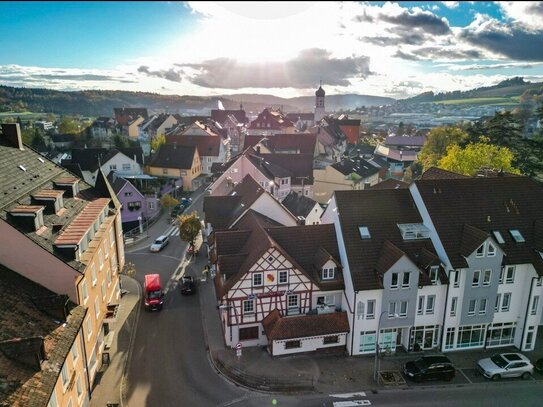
[{"x": 120, "y": 163}]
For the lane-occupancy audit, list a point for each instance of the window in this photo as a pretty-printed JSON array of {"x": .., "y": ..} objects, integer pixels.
[
  {"x": 517, "y": 236},
  {"x": 497, "y": 305},
  {"x": 502, "y": 273},
  {"x": 246, "y": 334},
  {"x": 506, "y": 302},
  {"x": 482, "y": 306},
  {"x": 129, "y": 193},
  {"x": 471, "y": 336},
  {"x": 184, "y": 173},
  {"x": 151, "y": 205},
  {"x": 89, "y": 328},
  {"x": 164, "y": 171},
  {"x": 64, "y": 375},
  {"x": 510, "y": 275},
  {"x": 111, "y": 236},
  {"x": 498, "y": 236},
  {"x": 96, "y": 308},
  {"x": 449, "y": 338},
  {"x": 112, "y": 167},
  {"x": 420, "y": 306},
  {"x": 394, "y": 280},
  {"x": 535, "y": 303},
  {"x": 257, "y": 279},
  {"x": 105, "y": 247},
  {"x": 360, "y": 310},
  {"x": 405, "y": 281},
  {"x": 364, "y": 232},
  {"x": 53, "y": 400},
  {"x": 457, "y": 278},
  {"x": 292, "y": 301},
  {"x": 84, "y": 291},
  {"x": 100, "y": 259},
  {"x": 391, "y": 309},
  {"x": 249, "y": 307},
  {"x": 103, "y": 290},
  {"x": 491, "y": 250},
  {"x": 93, "y": 274},
  {"x": 487, "y": 276},
  {"x": 471, "y": 308},
  {"x": 78, "y": 386},
  {"x": 108, "y": 277},
  {"x": 328, "y": 274},
  {"x": 430, "y": 302},
  {"x": 476, "y": 278},
  {"x": 327, "y": 340},
  {"x": 433, "y": 274},
  {"x": 500, "y": 334},
  {"x": 367, "y": 341},
  {"x": 480, "y": 251},
  {"x": 370, "y": 312},
  {"x": 412, "y": 231},
  {"x": 454, "y": 303},
  {"x": 283, "y": 277},
  {"x": 539, "y": 281},
  {"x": 293, "y": 344},
  {"x": 328, "y": 300},
  {"x": 75, "y": 352},
  {"x": 403, "y": 309},
  {"x": 209, "y": 159}
]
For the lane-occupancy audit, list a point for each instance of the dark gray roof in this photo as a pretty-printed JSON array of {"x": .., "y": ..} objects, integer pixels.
[
  {"x": 296, "y": 166},
  {"x": 90, "y": 159},
  {"x": 357, "y": 166},
  {"x": 173, "y": 156},
  {"x": 298, "y": 205}
]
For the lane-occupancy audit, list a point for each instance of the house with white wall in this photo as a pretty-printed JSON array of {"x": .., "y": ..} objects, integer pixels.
[{"x": 306, "y": 210}]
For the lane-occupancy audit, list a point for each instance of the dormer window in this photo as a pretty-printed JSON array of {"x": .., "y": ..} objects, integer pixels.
[
  {"x": 433, "y": 274},
  {"x": 51, "y": 198},
  {"x": 480, "y": 251},
  {"x": 412, "y": 231},
  {"x": 29, "y": 217},
  {"x": 491, "y": 252},
  {"x": 328, "y": 273},
  {"x": 498, "y": 236},
  {"x": 364, "y": 232},
  {"x": 517, "y": 236}
]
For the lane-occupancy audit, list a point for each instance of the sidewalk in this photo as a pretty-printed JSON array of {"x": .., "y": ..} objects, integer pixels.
[{"x": 108, "y": 384}]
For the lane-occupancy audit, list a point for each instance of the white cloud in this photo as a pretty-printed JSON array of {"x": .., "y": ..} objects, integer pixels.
[
  {"x": 527, "y": 13},
  {"x": 450, "y": 4}
]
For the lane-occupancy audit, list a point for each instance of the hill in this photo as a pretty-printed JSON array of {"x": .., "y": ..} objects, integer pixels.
[
  {"x": 101, "y": 102},
  {"x": 506, "y": 92}
]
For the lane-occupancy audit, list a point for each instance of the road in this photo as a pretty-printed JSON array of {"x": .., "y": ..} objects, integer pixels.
[{"x": 169, "y": 364}]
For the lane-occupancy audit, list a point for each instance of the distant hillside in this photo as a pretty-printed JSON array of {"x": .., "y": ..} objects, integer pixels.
[
  {"x": 508, "y": 89},
  {"x": 101, "y": 102}
]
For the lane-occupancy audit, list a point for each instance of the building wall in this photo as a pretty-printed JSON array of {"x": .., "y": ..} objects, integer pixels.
[
  {"x": 167, "y": 124},
  {"x": 268, "y": 206},
  {"x": 328, "y": 180},
  {"x": 122, "y": 164},
  {"x": 130, "y": 194},
  {"x": 133, "y": 129},
  {"x": 352, "y": 133},
  {"x": 314, "y": 217},
  {"x": 310, "y": 344},
  {"x": 187, "y": 175}
]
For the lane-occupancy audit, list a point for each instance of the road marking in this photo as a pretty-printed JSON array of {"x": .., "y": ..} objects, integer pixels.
[
  {"x": 467, "y": 378},
  {"x": 170, "y": 230},
  {"x": 349, "y": 395},
  {"x": 351, "y": 403}
]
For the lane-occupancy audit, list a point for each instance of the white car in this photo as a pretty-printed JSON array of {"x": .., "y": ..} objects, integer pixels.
[
  {"x": 506, "y": 365},
  {"x": 160, "y": 243}
]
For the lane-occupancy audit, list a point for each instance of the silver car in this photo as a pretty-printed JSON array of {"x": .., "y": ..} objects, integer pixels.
[
  {"x": 506, "y": 365},
  {"x": 160, "y": 243}
]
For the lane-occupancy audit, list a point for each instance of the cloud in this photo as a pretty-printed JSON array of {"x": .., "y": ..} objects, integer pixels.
[
  {"x": 407, "y": 38},
  {"x": 450, "y": 4},
  {"x": 509, "y": 40},
  {"x": 418, "y": 19},
  {"x": 79, "y": 77},
  {"x": 527, "y": 13},
  {"x": 168, "y": 74},
  {"x": 481, "y": 67},
  {"x": 303, "y": 71},
  {"x": 439, "y": 53}
]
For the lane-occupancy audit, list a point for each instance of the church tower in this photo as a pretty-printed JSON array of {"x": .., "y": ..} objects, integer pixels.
[{"x": 319, "y": 104}]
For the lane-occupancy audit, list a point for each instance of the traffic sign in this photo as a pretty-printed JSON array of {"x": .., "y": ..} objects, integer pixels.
[
  {"x": 238, "y": 346},
  {"x": 238, "y": 352}
]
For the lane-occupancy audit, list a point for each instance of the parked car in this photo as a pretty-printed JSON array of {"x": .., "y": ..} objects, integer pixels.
[
  {"x": 506, "y": 365},
  {"x": 430, "y": 368},
  {"x": 178, "y": 210},
  {"x": 538, "y": 365},
  {"x": 193, "y": 250},
  {"x": 187, "y": 285},
  {"x": 160, "y": 243},
  {"x": 186, "y": 201}
]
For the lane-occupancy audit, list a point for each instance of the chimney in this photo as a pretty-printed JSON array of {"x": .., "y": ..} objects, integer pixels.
[
  {"x": 12, "y": 133},
  {"x": 258, "y": 150}
]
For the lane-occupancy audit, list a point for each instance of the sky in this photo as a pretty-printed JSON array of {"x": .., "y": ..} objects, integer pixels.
[{"x": 393, "y": 49}]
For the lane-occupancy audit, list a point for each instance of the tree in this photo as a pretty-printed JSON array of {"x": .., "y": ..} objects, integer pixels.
[
  {"x": 167, "y": 201},
  {"x": 120, "y": 142},
  {"x": 69, "y": 125},
  {"x": 157, "y": 142},
  {"x": 478, "y": 156},
  {"x": 189, "y": 227},
  {"x": 439, "y": 139}
]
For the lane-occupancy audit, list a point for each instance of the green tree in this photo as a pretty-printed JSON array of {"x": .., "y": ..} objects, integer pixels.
[
  {"x": 120, "y": 141},
  {"x": 504, "y": 129},
  {"x": 168, "y": 202},
  {"x": 69, "y": 125},
  {"x": 439, "y": 139},
  {"x": 157, "y": 141},
  {"x": 189, "y": 227},
  {"x": 478, "y": 156}
]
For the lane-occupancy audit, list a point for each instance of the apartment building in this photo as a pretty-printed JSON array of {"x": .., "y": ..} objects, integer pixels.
[{"x": 61, "y": 233}]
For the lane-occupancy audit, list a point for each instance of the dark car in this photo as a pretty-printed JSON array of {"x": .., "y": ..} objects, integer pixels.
[
  {"x": 178, "y": 210},
  {"x": 430, "y": 368},
  {"x": 538, "y": 365},
  {"x": 187, "y": 285}
]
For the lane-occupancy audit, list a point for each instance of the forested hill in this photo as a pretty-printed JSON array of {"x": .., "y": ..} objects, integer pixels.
[
  {"x": 102, "y": 102},
  {"x": 514, "y": 87}
]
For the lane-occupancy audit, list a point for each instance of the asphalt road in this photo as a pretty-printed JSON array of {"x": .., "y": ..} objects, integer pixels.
[{"x": 169, "y": 364}]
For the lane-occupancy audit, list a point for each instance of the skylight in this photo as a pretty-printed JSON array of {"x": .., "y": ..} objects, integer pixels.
[
  {"x": 498, "y": 236},
  {"x": 412, "y": 231},
  {"x": 517, "y": 236},
  {"x": 364, "y": 232}
]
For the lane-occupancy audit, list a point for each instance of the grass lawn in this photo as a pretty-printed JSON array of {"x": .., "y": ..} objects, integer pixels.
[
  {"x": 497, "y": 101},
  {"x": 22, "y": 115}
]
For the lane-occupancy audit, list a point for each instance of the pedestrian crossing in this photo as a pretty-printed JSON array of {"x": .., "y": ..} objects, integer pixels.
[
  {"x": 351, "y": 403},
  {"x": 172, "y": 231}
]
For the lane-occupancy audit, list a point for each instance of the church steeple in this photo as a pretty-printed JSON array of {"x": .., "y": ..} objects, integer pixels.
[{"x": 319, "y": 103}]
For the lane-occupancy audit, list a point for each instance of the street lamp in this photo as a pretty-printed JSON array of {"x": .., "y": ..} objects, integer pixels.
[
  {"x": 141, "y": 225},
  {"x": 377, "y": 343}
]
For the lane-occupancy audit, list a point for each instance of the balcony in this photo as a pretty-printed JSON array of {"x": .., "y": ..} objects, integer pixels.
[{"x": 111, "y": 313}]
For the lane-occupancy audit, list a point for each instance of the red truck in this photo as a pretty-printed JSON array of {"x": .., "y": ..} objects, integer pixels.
[{"x": 152, "y": 292}]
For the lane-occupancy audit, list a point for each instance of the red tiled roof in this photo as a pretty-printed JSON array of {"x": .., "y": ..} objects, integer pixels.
[
  {"x": 77, "y": 228},
  {"x": 48, "y": 193},
  {"x": 281, "y": 328},
  {"x": 26, "y": 209},
  {"x": 66, "y": 180}
]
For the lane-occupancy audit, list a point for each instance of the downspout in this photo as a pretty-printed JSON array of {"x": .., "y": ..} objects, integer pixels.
[
  {"x": 445, "y": 312},
  {"x": 354, "y": 312},
  {"x": 527, "y": 310}
]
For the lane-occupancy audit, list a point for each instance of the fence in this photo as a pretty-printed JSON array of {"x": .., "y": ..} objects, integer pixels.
[
  {"x": 260, "y": 382},
  {"x": 134, "y": 235}
]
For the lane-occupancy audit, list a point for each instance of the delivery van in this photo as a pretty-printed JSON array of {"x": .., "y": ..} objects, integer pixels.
[{"x": 152, "y": 292}]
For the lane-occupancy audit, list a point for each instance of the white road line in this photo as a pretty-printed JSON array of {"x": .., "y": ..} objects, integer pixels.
[
  {"x": 467, "y": 378},
  {"x": 349, "y": 395},
  {"x": 352, "y": 403},
  {"x": 169, "y": 231}
]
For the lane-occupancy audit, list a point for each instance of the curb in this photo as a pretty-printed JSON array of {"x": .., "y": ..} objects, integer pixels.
[{"x": 123, "y": 387}]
